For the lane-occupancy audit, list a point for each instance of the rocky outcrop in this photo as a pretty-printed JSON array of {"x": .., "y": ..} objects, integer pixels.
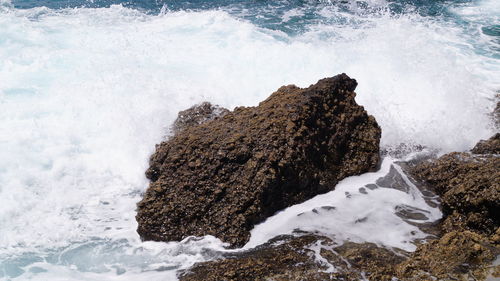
[
  {"x": 309, "y": 257},
  {"x": 223, "y": 176},
  {"x": 469, "y": 187},
  {"x": 457, "y": 255},
  {"x": 467, "y": 243},
  {"x": 490, "y": 146}
]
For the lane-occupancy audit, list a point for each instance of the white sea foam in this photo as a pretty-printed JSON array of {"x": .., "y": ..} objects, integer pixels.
[
  {"x": 293, "y": 13},
  {"x": 86, "y": 93},
  {"x": 357, "y": 213}
]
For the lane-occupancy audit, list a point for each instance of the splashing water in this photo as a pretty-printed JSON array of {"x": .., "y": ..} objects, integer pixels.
[{"x": 88, "y": 88}]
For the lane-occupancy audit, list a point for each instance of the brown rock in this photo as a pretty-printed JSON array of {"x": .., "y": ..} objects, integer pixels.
[
  {"x": 196, "y": 115},
  {"x": 465, "y": 248},
  {"x": 469, "y": 187},
  {"x": 309, "y": 257},
  {"x": 490, "y": 146},
  {"x": 223, "y": 176},
  {"x": 273, "y": 261},
  {"x": 456, "y": 255}
]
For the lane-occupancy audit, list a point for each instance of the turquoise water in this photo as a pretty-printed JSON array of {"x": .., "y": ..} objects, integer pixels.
[
  {"x": 270, "y": 14},
  {"x": 87, "y": 88}
]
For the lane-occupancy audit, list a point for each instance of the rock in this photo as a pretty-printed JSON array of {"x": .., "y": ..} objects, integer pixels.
[
  {"x": 196, "y": 115},
  {"x": 465, "y": 247},
  {"x": 365, "y": 261},
  {"x": 490, "y": 146},
  {"x": 224, "y": 176},
  {"x": 309, "y": 257},
  {"x": 272, "y": 261},
  {"x": 469, "y": 187},
  {"x": 456, "y": 255}
]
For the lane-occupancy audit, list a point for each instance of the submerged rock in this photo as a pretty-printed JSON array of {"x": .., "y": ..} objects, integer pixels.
[{"x": 223, "y": 176}]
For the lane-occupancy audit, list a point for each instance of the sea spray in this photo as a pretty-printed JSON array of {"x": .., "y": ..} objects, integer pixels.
[{"x": 86, "y": 93}]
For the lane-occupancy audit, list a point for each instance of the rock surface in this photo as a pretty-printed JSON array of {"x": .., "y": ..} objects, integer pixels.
[
  {"x": 457, "y": 255},
  {"x": 309, "y": 257},
  {"x": 223, "y": 176},
  {"x": 468, "y": 243},
  {"x": 469, "y": 187},
  {"x": 490, "y": 146},
  {"x": 196, "y": 115}
]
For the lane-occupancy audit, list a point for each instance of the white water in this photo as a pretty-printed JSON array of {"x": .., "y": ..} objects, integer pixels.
[
  {"x": 355, "y": 213},
  {"x": 86, "y": 93}
]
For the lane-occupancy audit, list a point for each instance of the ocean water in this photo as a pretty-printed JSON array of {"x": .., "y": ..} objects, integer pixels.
[{"x": 87, "y": 88}]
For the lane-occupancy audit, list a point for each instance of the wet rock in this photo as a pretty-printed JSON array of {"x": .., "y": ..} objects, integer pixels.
[
  {"x": 458, "y": 255},
  {"x": 223, "y": 176},
  {"x": 277, "y": 260},
  {"x": 309, "y": 257},
  {"x": 365, "y": 261},
  {"x": 469, "y": 187},
  {"x": 490, "y": 146},
  {"x": 465, "y": 246},
  {"x": 196, "y": 115}
]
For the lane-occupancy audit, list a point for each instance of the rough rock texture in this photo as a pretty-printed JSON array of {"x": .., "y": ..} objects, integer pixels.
[
  {"x": 469, "y": 187},
  {"x": 490, "y": 146},
  {"x": 467, "y": 245},
  {"x": 458, "y": 255},
  {"x": 455, "y": 256},
  {"x": 196, "y": 115},
  {"x": 309, "y": 257},
  {"x": 223, "y": 176}
]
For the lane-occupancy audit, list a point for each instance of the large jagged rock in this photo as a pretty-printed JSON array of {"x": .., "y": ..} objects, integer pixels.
[{"x": 223, "y": 176}]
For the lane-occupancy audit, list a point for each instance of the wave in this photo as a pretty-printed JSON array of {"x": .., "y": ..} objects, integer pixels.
[{"x": 85, "y": 93}]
